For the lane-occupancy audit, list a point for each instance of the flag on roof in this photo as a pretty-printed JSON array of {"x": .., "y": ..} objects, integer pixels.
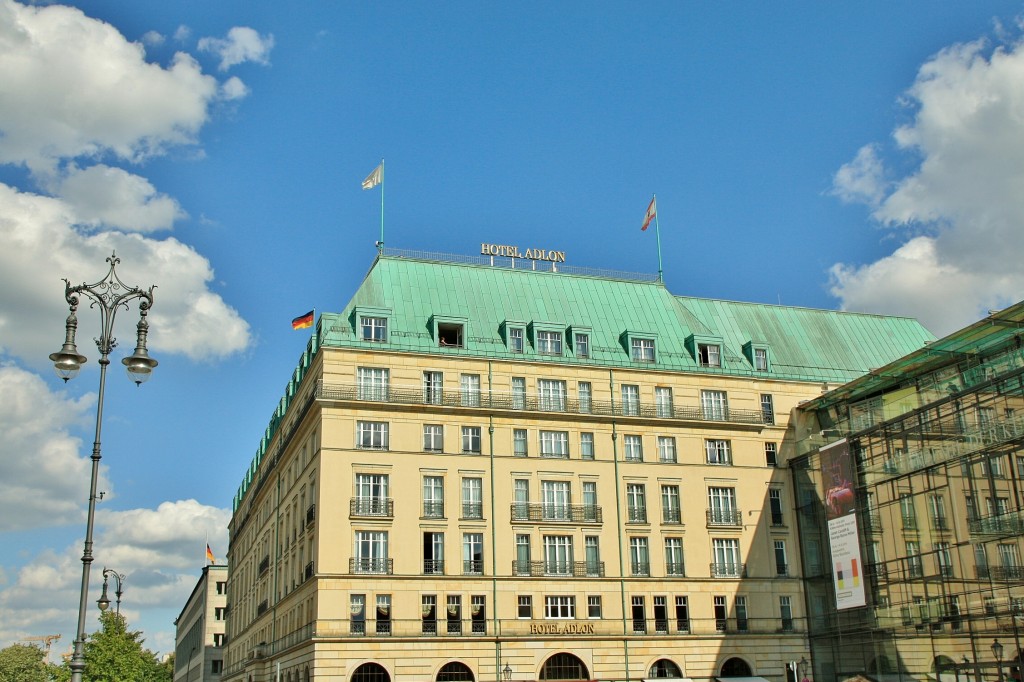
[
  {"x": 303, "y": 321},
  {"x": 375, "y": 177},
  {"x": 652, "y": 211},
  {"x": 209, "y": 554}
]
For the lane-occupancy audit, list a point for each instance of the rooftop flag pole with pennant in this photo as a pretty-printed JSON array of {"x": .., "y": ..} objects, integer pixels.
[
  {"x": 652, "y": 214},
  {"x": 209, "y": 555},
  {"x": 376, "y": 177}
]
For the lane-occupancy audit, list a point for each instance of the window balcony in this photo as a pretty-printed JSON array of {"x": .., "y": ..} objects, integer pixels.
[
  {"x": 310, "y": 515},
  {"x": 382, "y": 507},
  {"x": 264, "y": 565},
  {"x": 725, "y": 517},
  {"x": 636, "y": 515},
  {"x": 364, "y": 565},
  {"x": 472, "y": 510},
  {"x": 564, "y": 513},
  {"x": 671, "y": 516},
  {"x": 728, "y": 570},
  {"x": 307, "y": 573},
  {"x": 640, "y": 569},
  {"x": 676, "y": 569},
  {"x": 576, "y": 569},
  {"x": 473, "y": 567},
  {"x": 433, "y": 510},
  {"x": 433, "y": 567}
]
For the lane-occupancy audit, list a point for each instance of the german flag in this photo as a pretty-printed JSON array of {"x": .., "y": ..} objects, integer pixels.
[{"x": 303, "y": 321}]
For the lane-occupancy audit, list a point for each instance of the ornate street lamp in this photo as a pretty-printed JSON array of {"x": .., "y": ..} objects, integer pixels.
[
  {"x": 803, "y": 668},
  {"x": 997, "y": 651},
  {"x": 103, "y": 602},
  {"x": 507, "y": 672},
  {"x": 108, "y": 295}
]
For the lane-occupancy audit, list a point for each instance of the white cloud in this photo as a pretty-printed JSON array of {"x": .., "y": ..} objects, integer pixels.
[
  {"x": 160, "y": 552},
  {"x": 234, "y": 88},
  {"x": 39, "y": 245},
  {"x": 153, "y": 38},
  {"x": 41, "y": 470},
  {"x": 961, "y": 208},
  {"x": 242, "y": 44},
  {"x": 116, "y": 198},
  {"x": 73, "y": 86},
  {"x": 182, "y": 33}
]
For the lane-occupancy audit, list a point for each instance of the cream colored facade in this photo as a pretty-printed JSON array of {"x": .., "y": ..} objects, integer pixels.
[
  {"x": 199, "y": 629},
  {"x": 394, "y": 529}
]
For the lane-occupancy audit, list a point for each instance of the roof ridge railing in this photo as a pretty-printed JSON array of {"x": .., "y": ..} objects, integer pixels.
[{"x": 508, "y": 263}]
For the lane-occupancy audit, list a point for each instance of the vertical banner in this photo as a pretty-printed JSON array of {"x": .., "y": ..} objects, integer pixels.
[{"x": 841, "y": 513}]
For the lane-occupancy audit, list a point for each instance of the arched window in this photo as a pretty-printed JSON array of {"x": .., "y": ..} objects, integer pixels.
[
  {"x": 306, "y": 676},
  {"x": 665, "y": 668},
  {"x": 563, "y": 666},
  {"x": 371, "y": 672},
  {"x": 454, "y": 672},
  {"x": 736, "y": 667}
]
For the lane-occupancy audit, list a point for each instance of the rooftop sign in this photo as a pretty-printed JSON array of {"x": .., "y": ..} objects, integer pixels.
[{"x": 529, "y": 254}]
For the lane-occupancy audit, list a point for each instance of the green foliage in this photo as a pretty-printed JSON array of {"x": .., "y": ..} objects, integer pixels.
[
  {"x": 115, "y": 654},
  {"x": 22, "y": 663}
]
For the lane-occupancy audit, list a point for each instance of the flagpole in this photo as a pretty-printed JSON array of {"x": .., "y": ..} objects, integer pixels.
[
  {"x": 657, "y": 232},
  {"x": 381, "y": 242}
]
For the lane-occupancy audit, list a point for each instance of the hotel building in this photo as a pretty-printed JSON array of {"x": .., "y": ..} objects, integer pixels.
[
  {"x": 936, "y": 441},
  {"x": 199, "y": 629},
  {"x": 512, "y": 469}
]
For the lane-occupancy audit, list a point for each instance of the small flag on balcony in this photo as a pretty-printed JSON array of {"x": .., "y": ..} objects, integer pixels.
[{"x": 303, "y": 321}]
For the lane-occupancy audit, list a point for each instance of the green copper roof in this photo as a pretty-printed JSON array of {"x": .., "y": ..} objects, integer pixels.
[{"x": 802, "y": 344}]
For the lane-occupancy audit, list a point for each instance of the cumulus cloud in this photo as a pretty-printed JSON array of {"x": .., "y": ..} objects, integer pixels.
[
  {"x": 960, "y": 209},
  {"x": 241, "y": 45},
  {"x": 116, "y": 198},
  {"x": 42, "y": 245},
  {"x": 234, "y": 88},
  {"x": 153, "y": 38},
  {"x": 41, "y": 470},
  {"x": 159, "y": 551}
]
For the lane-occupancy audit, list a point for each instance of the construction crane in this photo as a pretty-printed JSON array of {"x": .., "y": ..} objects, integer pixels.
[{"x": 46, "y": 639}]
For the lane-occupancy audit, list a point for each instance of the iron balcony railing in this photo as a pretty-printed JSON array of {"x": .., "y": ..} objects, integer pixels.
[
  {"x": 264, "y": 565},
  {"x": 433, "y": 510},
  {"x": 725, "y": 517},
  {"x": 372, "y": 506},
  {"x": 308, "y": 572},
  {"x": 472, "y": 567},
  {"x": 576, "y": 569},
  {"x": 472, "y": 510},
  {"x": 565, "y": 513},
  {"x": 433, "y": 566},
  {"x": 493, "y": 400},
  {"x": 728, "y": 570},
  {"x": 362, "y": 565},
  {"x": 1002, "y": 524},
  {"x": 310, "y": 514}
]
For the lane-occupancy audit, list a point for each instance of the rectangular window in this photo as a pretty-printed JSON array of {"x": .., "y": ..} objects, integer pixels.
[
  {"x": 453, "y": 612},
  {"x": 449, "y": 334},
  {"x": 722, "y": 509},
  {"x": 586, "y": 445},
  {"x": 549, "y": 343},
  {"x": 372, "y": 435},
  {"x": 767, "y": 409},
  {"x": 718, "y": 452},
  {"x": 592, "y": 549},
  {"x": 726, "y": 553},
  {"x": 944, "y": 558},
  {"x": 472, "y": 498},
  {"x": 433, "y": 391},
  {"x": 524, "y": 606},
  {"x": 554, "y": 444},
  {"x": 663, "y": 401},
  {"x": 428, "y": 611},
  {"x": 556, "y": 501},
  {"x": 583, "y": 345},
  {"x": 552, "y": 395},
  {"x": 634, "y": 448},
  {"x": 709, "y": 355},
  {"x": 715, "y": 405},
  {"x": 639, "y": 557},
  {"x": 433, "y": 438},
  {"x": 642, "y": 350},
  {"x": 590, "y": 501},
  {"x": 372, "y": 383},
  {"x": 559, "y": 606},
  {"x": 371, "y": 552},
  {"x": 781, "y": 561},
  {"x": 937, "y": 509},
  {"x": 721, "y": 614},
  {"x": 519, "y": 442},
  {"x": 374, "y": 328},
  {"x": 558, "y": 555},
  {"x": 470, "y": 388},
  {"x": 372, "y": 495},
  {"x": 636, "y": 503},
  {"x": 472, "y": 553},
  {"x": 471, "y": 440},
  {"x": 478, "y": 614},
  {"x": 914, "y": 567},
  {"x": 433, "y": 553},
  {"x": 217, "y": 665},
  {"x": 682, "y": 614},
  {"x": 771, "y": 454},
  {"x": 740, "y": 604},
  {"x": 775, "y": 506},
  {"x": 674, "y": 557},
  {"x": 357, "y": 614},
  {"x": 630, "y": 399},
  {"x": 760, "y": 360},
  {"x": 786, "y": 613},
  {"x": 433, "y": 497},
  {"x": 515, "y": 339},
  {"x": 521, "y": 500},
  {"x": 518, "y": 393},
  {"x": 907, "y": 512},
  {"x": 667, "y": 449},
  {"x": 522, "y": 566},
  {"x": 594, "y": 606},
  {"x": 639, "y": 614},
  {"x": 383, "y": 623},
  {"x": 586, "y": 396},
  {"x": 670, "y": 512}
]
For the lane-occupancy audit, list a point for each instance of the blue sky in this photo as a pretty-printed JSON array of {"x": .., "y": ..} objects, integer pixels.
[{"x": 864, "y": 156}]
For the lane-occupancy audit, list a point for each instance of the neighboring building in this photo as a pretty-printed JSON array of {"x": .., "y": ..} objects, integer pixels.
[
  {"x": 935, "y": 440},
  {"x": 483, "y": 472},
  {"x": 199, "y": 629}
]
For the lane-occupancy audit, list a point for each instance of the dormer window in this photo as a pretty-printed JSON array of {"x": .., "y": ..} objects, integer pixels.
[
  {"x": 709, "y": 355},
  {"x": 761, "y": 359},
  {"x": 549, "y": 343},
  {"x": 642, "y": 350},
  {"x": 515, "y": 339},
  {"x": 449, "y": 334},
  {"x": 374, "y": 328},
  {"x": 582, "y": 345}
]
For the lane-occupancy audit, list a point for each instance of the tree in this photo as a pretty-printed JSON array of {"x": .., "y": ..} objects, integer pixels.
[
  {"x": 24, "y": 663},
  {"x": 115, "y": 654}
]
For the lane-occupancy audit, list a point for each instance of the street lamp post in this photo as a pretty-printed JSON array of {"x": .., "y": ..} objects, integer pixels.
[
  {"x": 507, "y": 672},
  {"x": 103, "y": 602},
  {"x": 108, "y": 295},
  {"x": 803, "y": 669},
  {"x": 997, "y": 651}
]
